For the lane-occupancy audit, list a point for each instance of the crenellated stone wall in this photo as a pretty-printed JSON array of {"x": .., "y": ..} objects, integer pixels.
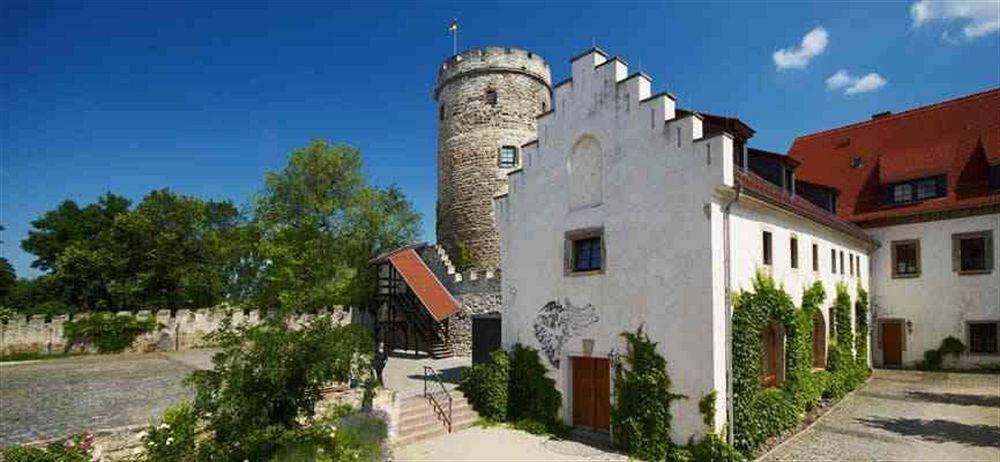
[
  {"x": 178, "y": 330},
  {"x": 476, "y": 291}
]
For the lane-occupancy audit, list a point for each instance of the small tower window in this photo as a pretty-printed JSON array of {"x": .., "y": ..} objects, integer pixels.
[
  {"x": 441, "y": 112},
  {"x": 491, "y": 97},
  {"x": 508, "y": 157}
]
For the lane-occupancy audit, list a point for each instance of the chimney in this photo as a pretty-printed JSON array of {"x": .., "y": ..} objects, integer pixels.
[{"x": 881, "y": 115}]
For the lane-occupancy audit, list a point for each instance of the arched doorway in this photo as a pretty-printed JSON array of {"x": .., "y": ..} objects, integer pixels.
[
  {"x": 773, "y": 341},
  {"x": 819, "y": 340}
]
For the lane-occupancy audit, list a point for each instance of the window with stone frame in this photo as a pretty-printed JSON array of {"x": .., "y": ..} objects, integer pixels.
[
  {"x": 833, "y": 261},
  {"x": 972, "y": 253},
  {"x": 507, "y": 157},
  {"x": 815, "y": 255},
  {"x": 905, "y": 258},
  {"x": 585, "y": 251},
  {"x": 983, "y": 337},
  {"x": 841, "y": 262}
]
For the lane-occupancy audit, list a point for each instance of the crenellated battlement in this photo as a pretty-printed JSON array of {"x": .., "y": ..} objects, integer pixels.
[
  {"x": 177, "y": 330},
  {"x": 605, "y": 102},
  {"x": 459, "y": 282},
  {"x": 493, "y": 59}
]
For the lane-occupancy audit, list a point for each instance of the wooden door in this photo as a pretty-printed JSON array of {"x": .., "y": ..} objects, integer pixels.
[
  {"x": 591, "y": 393},
  {"x": 892, "y": 343}
]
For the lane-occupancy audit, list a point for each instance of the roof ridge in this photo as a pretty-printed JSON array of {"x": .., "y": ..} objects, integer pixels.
[{"x": 903, "y": 114}]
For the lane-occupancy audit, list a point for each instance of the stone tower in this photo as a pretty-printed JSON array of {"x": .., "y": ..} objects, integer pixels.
[{"x": 488, "y": 101}]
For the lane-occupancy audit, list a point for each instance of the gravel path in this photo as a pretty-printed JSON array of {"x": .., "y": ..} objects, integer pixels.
[
  {"x": 51, "y": 398},
  {"x": 906, "y": 415}
]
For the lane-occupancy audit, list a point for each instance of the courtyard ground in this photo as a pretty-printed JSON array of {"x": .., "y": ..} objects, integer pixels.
[
  {"x": 501, "y": 444},
  {"x": 906, "y": 415},
  {"x": 54, "y": 397},
  {"x": 51, "y": 398}
]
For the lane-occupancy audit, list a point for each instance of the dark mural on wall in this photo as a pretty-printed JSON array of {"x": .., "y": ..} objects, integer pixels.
[{"x": 557, "y": 322}]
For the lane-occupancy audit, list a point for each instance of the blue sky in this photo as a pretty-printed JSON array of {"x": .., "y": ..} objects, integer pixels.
[{"x": 204, "y": 97}]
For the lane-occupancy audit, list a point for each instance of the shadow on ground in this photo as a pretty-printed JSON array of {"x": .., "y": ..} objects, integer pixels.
[
  {"x": 955, "y": 398},
  {"x": 452, "y": 375},
  {"x": 939, "y": 431}
]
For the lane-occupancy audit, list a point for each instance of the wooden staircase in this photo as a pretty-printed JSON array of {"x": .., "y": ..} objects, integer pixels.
[{"x": 419, "y": 420}]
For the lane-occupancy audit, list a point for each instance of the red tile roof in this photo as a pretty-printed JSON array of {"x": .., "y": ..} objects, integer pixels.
[
  {"x": 762, "y": 189},
  {"x": 424, "y": 284},
  {"x": 958, "y": 138}
]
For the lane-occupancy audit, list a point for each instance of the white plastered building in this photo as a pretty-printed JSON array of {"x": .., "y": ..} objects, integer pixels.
[{"x": 629, "y": 212}]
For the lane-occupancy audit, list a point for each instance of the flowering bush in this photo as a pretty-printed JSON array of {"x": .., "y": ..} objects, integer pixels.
[
  {"x": 76, "y": 448},
  {"x": 173, "y": 439}
]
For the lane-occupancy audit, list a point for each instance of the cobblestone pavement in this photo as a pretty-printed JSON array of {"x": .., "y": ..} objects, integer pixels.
[
  {"x": 906, "y": 415},
  {"x": 501, "y": 444},
  {"x": 51, "y": 398}
]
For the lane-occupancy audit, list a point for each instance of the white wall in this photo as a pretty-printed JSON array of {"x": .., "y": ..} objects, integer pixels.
[
  {"x": 939, "y": 302},
  {"x": 662, "y": 188}
]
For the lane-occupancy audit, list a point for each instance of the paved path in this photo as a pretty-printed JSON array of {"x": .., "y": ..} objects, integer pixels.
[
  {"x": 500, "y": 444},
  {"x": 51, "y": 398},
  {"x": 404, "y": 373},
  {"x": 907, "y": 415}
]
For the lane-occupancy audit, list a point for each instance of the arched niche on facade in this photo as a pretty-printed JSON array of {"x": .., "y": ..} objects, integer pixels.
[{"x": 585, "y": 172}]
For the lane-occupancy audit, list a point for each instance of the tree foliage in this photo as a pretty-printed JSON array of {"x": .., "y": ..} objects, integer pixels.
[
  {"x": 268, "y": 377},
  {"x": 304, "y": 242},
  {"x": 318, "y": 224}
]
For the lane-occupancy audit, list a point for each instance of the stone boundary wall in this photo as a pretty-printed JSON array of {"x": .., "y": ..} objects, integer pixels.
[
  {"x": 178, "y": 330},
  {"x": 477, "y": 292}
]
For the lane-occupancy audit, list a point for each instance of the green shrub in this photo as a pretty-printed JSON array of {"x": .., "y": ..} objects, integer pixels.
[
  {"x": 486, "y": 386},
  {"x": 713, "y": 448},
  {"x": 173, "y": 439},
  {"x": 108, "y": 332},
  {"x": 933, "y": 359},
  {"x": 640, "y": 416},
  {"x": 76, "y": 448},
  {"x": 531, "y": 426},
  {"x": 951, "y": 346},
  {"x": 531, "y": 393}
]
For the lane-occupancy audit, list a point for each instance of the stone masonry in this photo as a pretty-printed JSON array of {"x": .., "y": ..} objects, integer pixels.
[
  {"x": 178, "y": 330},
  {"x": 472, "y": 127},
  {"x": 477, "y": 292}
]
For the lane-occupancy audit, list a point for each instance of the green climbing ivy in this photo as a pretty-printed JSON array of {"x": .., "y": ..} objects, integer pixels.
[
  {"x": 640, "y": 416},
  {"x": 761, "y": 413}
]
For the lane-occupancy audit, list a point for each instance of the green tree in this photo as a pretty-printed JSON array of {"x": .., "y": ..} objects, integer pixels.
[
  {"x": 318, "y": 224},
  {"x": 69, "y": 224},
  {"x": 172, "y": 251}
]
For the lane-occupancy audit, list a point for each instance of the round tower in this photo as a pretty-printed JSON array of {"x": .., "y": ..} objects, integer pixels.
[{"x": 488, "y": 102}]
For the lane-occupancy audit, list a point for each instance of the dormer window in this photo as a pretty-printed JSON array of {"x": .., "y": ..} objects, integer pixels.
[
  {"x": 491, "y": 97},
  {"x": 508, "y": 157},
  {"x": 917, "y": 190},
  {"x": 856, "y": 162}
]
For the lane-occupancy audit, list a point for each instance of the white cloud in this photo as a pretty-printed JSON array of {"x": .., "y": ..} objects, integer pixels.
[
  {"x": 852, "y": 84},
  {"x": 813, "y": 44},
  {"x": 981, "y": 17}
]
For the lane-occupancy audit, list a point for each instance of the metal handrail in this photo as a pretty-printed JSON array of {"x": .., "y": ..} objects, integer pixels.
[{"x": 430, "y": 372}]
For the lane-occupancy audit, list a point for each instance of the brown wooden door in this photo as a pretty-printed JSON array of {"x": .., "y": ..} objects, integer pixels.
[
  {"x": 892, "y": 344},
  {"x": 591, "y": 393}
]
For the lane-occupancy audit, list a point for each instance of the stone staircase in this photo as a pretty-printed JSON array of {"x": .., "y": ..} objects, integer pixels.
[{"x": 419, "y": 420}]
